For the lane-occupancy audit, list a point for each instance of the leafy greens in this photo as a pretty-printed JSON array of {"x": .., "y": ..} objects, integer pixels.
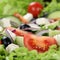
[{"x": 9, "y": 7}]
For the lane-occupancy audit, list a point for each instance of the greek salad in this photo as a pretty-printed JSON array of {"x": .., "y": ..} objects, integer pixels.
[{"x": 29, "y": 30}]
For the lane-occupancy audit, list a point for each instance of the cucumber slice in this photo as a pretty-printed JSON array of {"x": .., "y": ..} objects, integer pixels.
[
  {"x": 14, "y": 22},
  {"x": 42, "y": 21},
  {"x": 54, "y": 15},
  {"x": 53, "y": 32},
  {"x": 19, "y": 41},
  {"x": 10, "y": 21},
  {"x": 52, "y": 25},
  {"x": 5, "y": 22}
]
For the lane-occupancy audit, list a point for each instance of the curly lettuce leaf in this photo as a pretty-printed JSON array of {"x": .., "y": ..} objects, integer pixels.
[
  {"x": 52, "y": 6},
  {"x": 3, "y": 53}
]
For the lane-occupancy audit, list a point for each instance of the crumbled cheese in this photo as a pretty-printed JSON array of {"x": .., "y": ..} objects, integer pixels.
[
  {"x": 11, "y": 47},
  {"x": 42, "y": 21},
  {"x": 28, "y": 16}
]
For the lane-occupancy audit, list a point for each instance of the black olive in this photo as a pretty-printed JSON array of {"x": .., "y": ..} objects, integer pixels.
[
  {"x": 28, "y": 30},
  {"x": 25, "y": 27},
  {"x": 6, "y": 41}
]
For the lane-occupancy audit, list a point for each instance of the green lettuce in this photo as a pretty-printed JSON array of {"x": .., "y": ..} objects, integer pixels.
[
  {"x": 3, "y": 53},
  {"x": 53, "y": 32},
  {"x": 23, "y": 54},
  {"x": 53, "y": 6},
  {"x": 51, "y": 25},
  {"x": 9, "y": 7}
]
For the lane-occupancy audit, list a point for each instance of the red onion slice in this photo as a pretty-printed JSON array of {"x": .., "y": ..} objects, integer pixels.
[{"x": 42, "y": 32}]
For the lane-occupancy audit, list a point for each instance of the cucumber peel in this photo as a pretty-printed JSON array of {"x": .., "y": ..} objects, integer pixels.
[
  {"x": 54, "y": 15},
  {"x": 53, "y": 32},
  {"x": 19, "y": 41}
]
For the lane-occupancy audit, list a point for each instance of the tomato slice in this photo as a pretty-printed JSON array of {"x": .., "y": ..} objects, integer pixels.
[
  {"x": 35, "y": 8},
  {"x": 41, "y": 44},
  {"x": 33, "y": 42}
]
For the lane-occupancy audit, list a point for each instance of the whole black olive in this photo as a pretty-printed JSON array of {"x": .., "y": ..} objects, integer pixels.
[{"x": 6, "y": 41}]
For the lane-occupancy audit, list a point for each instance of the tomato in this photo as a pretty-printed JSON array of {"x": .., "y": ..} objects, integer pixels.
[
  {"x": 35, "y": 8},
  {"x": 33, "y": 42},
  {"x": 41, "y": 44}
]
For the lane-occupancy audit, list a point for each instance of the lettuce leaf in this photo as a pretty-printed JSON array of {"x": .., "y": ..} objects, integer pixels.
[
  {"x": 9, "y": 7},
  {"x": 53, "y": 32},
  {"x": 51, "y": 25},
  {"x": 3, "y": 53}
]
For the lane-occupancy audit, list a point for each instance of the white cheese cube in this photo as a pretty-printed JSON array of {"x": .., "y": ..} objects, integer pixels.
[
  {"x": 11, "y": 47},
  {"x": 28, "y": 16}
]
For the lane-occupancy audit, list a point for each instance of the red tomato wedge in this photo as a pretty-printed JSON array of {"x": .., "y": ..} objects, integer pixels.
[
  {"x": 35, "y": 8},
  {"x": 33, "y": 42},
  {"x": 41, "y": 44}
]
